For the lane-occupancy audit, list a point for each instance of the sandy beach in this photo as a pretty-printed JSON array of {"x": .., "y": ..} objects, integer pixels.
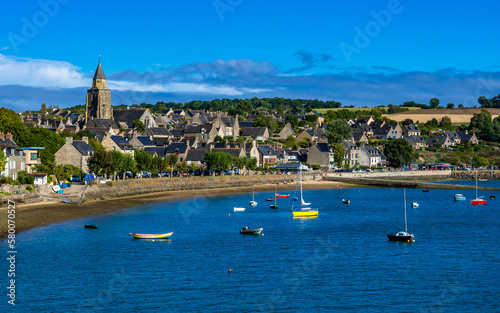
[{"x": 39, "y": 214}]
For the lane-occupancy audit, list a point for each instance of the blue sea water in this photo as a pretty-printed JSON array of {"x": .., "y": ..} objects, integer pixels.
[{"x": 340, "y": 261}]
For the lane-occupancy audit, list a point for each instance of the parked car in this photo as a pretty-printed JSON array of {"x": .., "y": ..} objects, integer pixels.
[
  {"x": 125, "y": 175},
  {"x": 75, "y": 178},
  {"x": 146, "y": 174},
  {"x": 237, "y": 171},
  {"x": 196, "y": 173}
]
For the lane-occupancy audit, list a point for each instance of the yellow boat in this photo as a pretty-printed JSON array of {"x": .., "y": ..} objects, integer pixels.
[
  {"x": 305, "y": 213},
  {"x": 151, "y": 236}
]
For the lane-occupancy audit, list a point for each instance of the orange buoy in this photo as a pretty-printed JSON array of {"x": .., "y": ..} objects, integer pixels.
[{"x": 229, "y": 271}]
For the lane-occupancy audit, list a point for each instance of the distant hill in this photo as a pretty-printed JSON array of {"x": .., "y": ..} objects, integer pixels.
[{"x": 456, "y": 115}]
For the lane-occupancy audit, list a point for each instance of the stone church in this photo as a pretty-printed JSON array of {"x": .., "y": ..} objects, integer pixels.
[{"x": 98, "y": 103}]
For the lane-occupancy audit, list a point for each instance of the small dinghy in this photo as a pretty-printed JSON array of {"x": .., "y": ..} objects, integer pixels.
[
  {"x": 414, "y": 205},
  {"x": 91, "y": 226},
  {"x": 239, "y": 209},
  {"x": 247, "y": 231},
  {"x": 492, "y": 197},
  {"x": 151, "y": 236},
  {"x": 346, "y": 201},
  {"x": 269, "y": 199}
]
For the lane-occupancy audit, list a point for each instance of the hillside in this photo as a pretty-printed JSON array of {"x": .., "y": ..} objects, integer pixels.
[{"x": 457, "y": 115}]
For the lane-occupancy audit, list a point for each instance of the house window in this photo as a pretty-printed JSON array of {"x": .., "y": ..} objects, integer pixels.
[{"x": 33, "y": 156}]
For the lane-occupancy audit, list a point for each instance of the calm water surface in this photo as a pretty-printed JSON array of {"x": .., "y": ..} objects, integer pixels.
[{"x": 338, "y": 262}]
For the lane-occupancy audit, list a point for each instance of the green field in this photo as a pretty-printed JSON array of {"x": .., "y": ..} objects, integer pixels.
[{"x": 322, "y": 111}]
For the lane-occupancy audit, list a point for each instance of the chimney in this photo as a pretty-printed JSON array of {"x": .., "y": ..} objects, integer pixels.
[
  {"x": 254, "y": 143},
  {"x": 2, "y": 136},
  {"x": 86, "y": 139},
  {"x": 8, "y": 136},
  {"x": 69, "y": 139}
]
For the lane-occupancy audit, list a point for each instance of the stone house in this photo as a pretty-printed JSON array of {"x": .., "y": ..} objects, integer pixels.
[
  {"x": 103, "y": 123},
  {"x": 117, "y": 143},
  {"x": 202, "y": 133},
  {"x": 445, "y": 141},
  {"x": 286, "y": 131},
  {"x": 369, "y": 156},
  {"x": 467, "y": 138},
  {"x": 16, "y": 161},
  {"x": 321, "y": 154},
  {"x": 410, "y": 130},
  {"x": 258, "y": 133},
  {"x": 141, "y": 142},
  {"x": 351, "y": 153},
  {"x": 125, "y": 118},
  {"x": 178, "y": 148},
  {"x": 266, "y": 154},
  {"x": 417, "y": 142},
  {"x": 76, "y": 153}
]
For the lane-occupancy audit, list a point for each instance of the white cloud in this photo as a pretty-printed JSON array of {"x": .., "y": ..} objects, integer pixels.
[{"x": 39, "y": 73}]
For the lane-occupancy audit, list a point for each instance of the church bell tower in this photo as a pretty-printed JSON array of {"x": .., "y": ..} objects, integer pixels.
[{"x": 98, "y": 103}]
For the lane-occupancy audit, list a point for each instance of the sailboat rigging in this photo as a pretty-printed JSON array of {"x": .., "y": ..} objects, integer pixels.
[
  {"x": 253, "y": 202},
  {"x": 274, "y": 206},
  {"x": 478, "y": 200},
  {"x": 403, "y": 235},
  {"x": 304, "y": 211}
]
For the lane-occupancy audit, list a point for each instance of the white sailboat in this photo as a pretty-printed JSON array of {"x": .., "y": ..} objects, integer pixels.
[
  {"x": 253, "y": 202},
  {"x": 478, "y": 200},
  {"x": 304, "y": 210}
]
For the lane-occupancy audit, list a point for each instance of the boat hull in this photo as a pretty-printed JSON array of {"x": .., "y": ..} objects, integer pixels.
[
  {"x": 305, "y": 213},
  {"x": 270, "y": 199},
  {"x": 253, "y": 203},
  {"x": 151, "y": 236},
  {"x": 478, "y": 202},
  {"x": 408, "y": 238},
  {"x": 91, "y": 226},
  {"x": 239, "y": 209},
  {"x": 459, "y": 199},
  {"x": 282, "y": 196},
  {"x": 272, "y": 206},
  {"x": 255, "y": 231}
]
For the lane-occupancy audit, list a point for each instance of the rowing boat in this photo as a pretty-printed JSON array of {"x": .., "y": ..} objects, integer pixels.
[{"x": 151, "y": 236}]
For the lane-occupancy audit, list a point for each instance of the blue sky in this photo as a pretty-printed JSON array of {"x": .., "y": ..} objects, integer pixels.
[{"x": 359, "y": 53}]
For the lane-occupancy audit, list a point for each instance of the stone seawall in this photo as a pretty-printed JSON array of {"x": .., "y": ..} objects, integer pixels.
[
  {"x": 143, "y": 186},
  {"x": 471, "y": 175}
]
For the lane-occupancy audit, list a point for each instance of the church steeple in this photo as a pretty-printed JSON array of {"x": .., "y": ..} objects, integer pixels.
[
  {"x": 98, "y": 102},
  {"x": 99, "y": 80}
]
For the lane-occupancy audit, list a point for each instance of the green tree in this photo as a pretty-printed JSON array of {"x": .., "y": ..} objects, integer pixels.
[
  {"x": 218, "y": 161},
  {"x": 305, "y": 143},
  {"x": 434, "y": 103},
  {"x": 479, "y": 161},
  {"x": 339, "y": 152},
  {"x": 100, "y": 162},
  {"x": 337, "y": 130},
  {"x": 139, "y": 126},
  {"x": 172, "y": 160},
  {"x": 143, "y": 159},
  {"x": 3, "y": 160},
  {"x": 450, "y": 106},
  {"x": 292, "y": 119},
  {"x": 265, "y": 121},
  {"x": 446, "y": 123},
  {"x": 43, "y": 109},
  {"x": 399, "y": 152}
]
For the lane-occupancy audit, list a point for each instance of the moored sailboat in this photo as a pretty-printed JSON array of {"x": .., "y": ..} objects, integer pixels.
[
  {"x": 304, "y": 211},
  {"x": 402, "y": 235},
  {"x": 478, "y": 200},
  {"x": 253, "y": 202}
]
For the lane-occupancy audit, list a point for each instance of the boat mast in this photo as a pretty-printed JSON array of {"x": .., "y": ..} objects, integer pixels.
[
  {"x": 275, "y": 192},
  {"x": 476, "y": 183},
  {"x": 300, "y": 171},
  {"x": 253, "y": 193},
  {"x": 406, "y": 224}
]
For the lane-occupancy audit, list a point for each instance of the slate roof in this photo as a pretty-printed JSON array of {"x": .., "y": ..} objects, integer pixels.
[
  {"x": 83, "y": 147},
  {"x": 99, "y": 74},
  {"x": 253, "y": 131},
  {"x": 179, "y": 146},
  {"x": 128, "y": 116},
  {"x": 235, "y": 152},
  {"x": 160, "y": 151},
  {"x": 441, "y": 139},
  {"x": 414, "y": 140},
  {"x": 323, "y": 147},
  {"x": 161, "y": 141},
  {"x": 146, "y": 141},
  {"x": 195, "y": 155},
  {"x": 190, "y": 129},
  {"x": 411, "y": 128},
  {"x": 245, "y": 124},
  {"x": 159, "y": 131},
  {"x": 266, "y": 150},
  {"x": 121, "y": 142},
  {"x": 177, "y": 132}
]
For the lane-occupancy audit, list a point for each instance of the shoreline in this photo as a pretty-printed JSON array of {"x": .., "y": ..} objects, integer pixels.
[{"x": 33, "y": 215}]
